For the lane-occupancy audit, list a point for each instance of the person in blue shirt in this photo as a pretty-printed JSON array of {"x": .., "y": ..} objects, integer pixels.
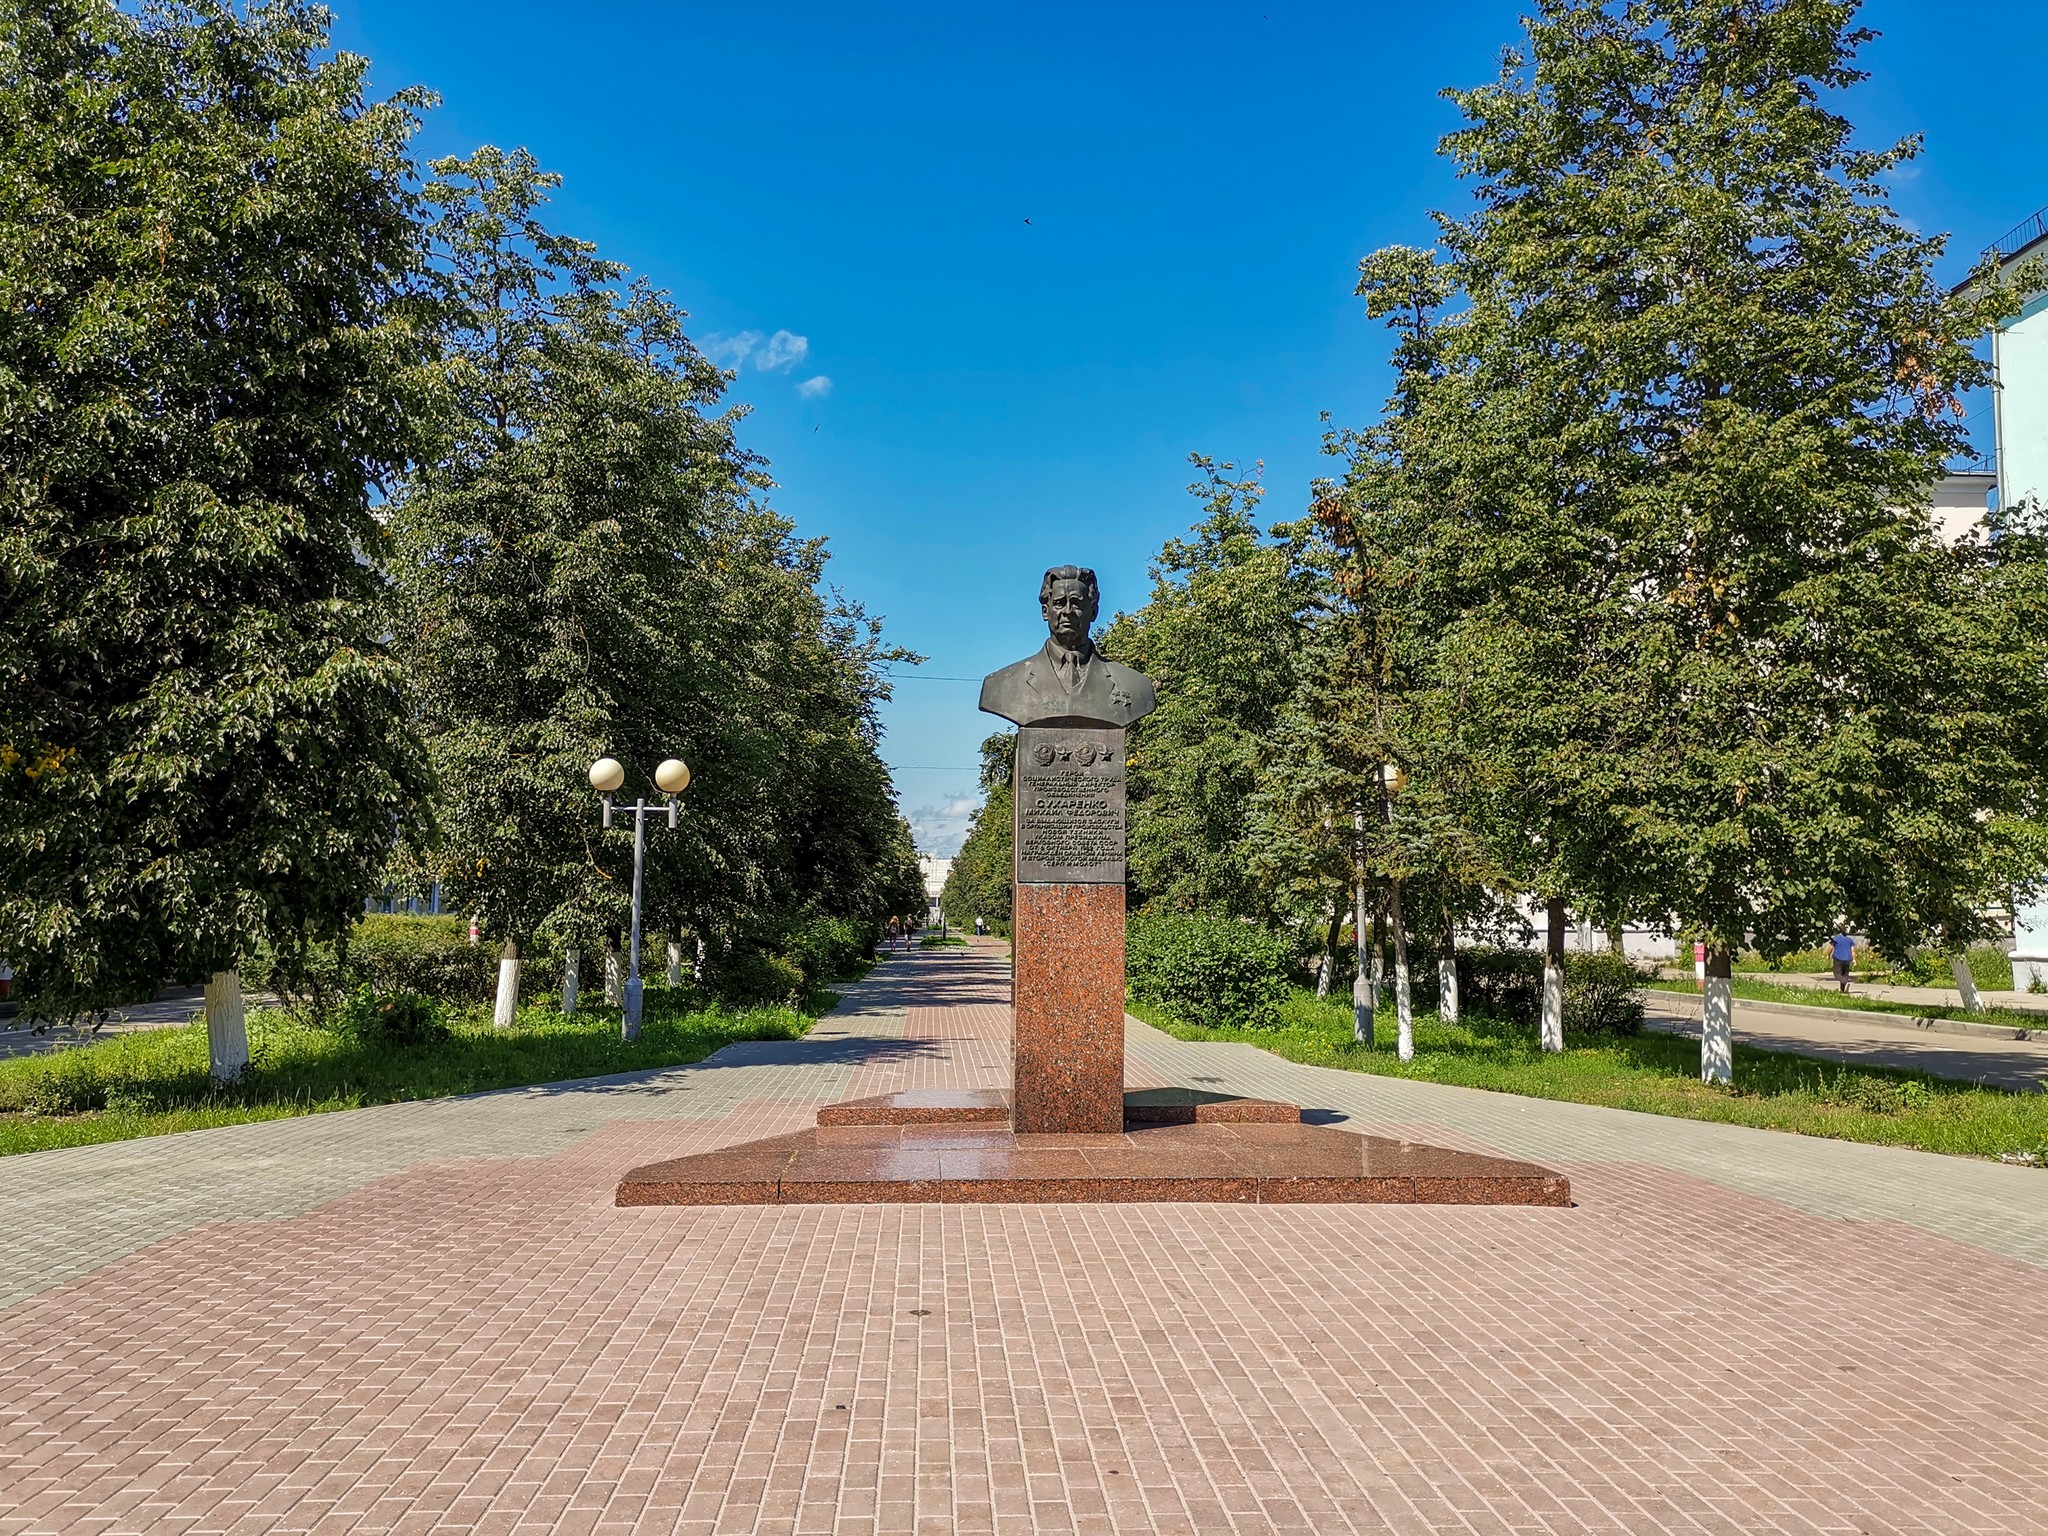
[{"x": 1842, "y": 949}]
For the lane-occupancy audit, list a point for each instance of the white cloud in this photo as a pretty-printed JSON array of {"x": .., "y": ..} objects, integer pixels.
[
  {"x": 731, "y": 351},
  {"x": 811, "y": 389},
  {"x": 770, "y": 354},
  {"x": 938, "y": 829},
  {"x": 783, "y": 350}
]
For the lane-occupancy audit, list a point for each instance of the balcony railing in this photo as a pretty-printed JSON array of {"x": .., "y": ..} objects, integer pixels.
[{"x": 2019, "y": 237}]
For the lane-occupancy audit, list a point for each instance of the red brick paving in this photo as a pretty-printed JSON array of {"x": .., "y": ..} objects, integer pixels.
[{"x": 490, "y": 1346}]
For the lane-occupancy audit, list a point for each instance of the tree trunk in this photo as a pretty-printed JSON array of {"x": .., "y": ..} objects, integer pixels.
[
  {"x": 1551, "y": 1028},
  {"x": 614, "y": 977},
  {"x": 1379, "y": 955},
  {"x": 1717, "y": 1017},
  {"x": 569, "y": 962},
  {"x": 1966, "y": 980},
  {"x": 227, "y": 1027},
  {"x": 675, "y": 965},
  {"x": 1327, "y": 971},
  {"x": 1404, "y": 1012},
  {"x": 1615, "y": 940},
  {"x": 1362, "y": 999},
  {"x": 1447, "y": 974},
  {"x": 507, "y": 1008}
]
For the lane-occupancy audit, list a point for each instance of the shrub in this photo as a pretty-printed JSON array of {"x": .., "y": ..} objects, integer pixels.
[
  {"x": 1211, "y": 971},
  {"x": 431, "y": 956},
  {"x": 1507, "y": 984},
  {"x": 394, "y": 1018},
  {"x": 1600, "y": 996},
  {"x": 749, "y": 976},
  {"x": 825, "y": 948}
]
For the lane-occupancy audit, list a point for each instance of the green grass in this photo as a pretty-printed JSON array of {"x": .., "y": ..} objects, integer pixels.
[
  {"x": 1827, "y": 997},
  {"x": 941, "y": 941},
  {"x": 154, "y": 1082},
  {"x": 1989, "y": 965},
  {"x": 1659, "y": 1075}
]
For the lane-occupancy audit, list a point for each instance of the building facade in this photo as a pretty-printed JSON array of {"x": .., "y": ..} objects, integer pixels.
[{"x": 2019, "y": 362}]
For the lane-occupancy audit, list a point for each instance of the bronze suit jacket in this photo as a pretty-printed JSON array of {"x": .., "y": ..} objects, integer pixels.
[{"x": 1029, "y": 692}]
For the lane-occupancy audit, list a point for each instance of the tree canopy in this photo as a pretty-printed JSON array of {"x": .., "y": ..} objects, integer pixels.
[{"x": 213, "y": 354}]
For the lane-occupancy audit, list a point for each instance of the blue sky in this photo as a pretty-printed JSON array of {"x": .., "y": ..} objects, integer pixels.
[{"x": 1199, "y": 183}]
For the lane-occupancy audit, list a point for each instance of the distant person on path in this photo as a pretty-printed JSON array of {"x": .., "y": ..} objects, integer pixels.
[
  {"x": 1842, "y": 949},
  {"x": 980, "y": 929}
]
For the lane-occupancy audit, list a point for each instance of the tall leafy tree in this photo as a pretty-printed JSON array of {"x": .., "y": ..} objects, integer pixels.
[
  {"x": 981, "y": 882},
  {"x": 586, "y": 568},
  {"x": 1217, "y": 638},
  {"x": 213, "y": 352},
  {"x": 1685, "y": 415}
]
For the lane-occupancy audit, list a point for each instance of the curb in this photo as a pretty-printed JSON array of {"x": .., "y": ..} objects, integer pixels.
[{"x": 1692, "y": 1003}]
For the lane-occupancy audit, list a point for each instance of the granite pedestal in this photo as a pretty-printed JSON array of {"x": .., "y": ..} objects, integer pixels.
[
  {"x": 1067, "y": 1063},
  {"x": 957, "y": 1148}
]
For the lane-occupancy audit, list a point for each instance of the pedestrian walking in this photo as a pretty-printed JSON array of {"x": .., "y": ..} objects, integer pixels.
[{"x": 1842, "y": 949}]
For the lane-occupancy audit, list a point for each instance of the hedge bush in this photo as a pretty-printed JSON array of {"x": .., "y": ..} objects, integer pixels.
[
  {"x": 748, "y": 976},
  {"x": 1211, "y": 971},
  {"x": 427, "y": 955},
  {"x": 826, "y": 948},
  {"x": 1507, "y": 984},
  {"x": 394, "y": 1018}
]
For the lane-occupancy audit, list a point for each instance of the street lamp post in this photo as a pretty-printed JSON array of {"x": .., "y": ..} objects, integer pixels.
[{"x": 671, "y": 778}]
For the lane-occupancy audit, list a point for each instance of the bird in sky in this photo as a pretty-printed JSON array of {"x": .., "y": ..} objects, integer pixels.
[{"x": 1027, "y": 221}]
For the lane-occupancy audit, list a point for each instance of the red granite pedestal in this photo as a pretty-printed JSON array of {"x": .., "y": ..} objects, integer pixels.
[
  {"x": 955, "y": 1147},
  {"x": 1067, "y": 1070}
]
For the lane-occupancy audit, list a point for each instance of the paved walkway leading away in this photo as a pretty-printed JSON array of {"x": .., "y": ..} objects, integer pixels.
[
  {"x": 1932, "y": 997},
  {"x": 1845, "y": 1035},
  {"x": 173, "y": 1008},
  {"x": 430, "y": 1317}
]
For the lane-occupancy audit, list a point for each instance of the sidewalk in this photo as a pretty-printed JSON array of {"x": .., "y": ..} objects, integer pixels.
[
  {"x": 1930, "y": 997},
  {"x": 429, "y": 1317},
  {"x": 1865, "y": 1040}
]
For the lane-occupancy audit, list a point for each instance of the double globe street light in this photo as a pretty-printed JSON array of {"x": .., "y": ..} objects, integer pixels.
[{"x": 671, "y": 778}]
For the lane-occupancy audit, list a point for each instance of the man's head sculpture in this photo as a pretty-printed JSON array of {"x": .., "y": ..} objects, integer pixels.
[
  {"x": 1068, "y": 681},
  {"x": 1069, "y": 599}
]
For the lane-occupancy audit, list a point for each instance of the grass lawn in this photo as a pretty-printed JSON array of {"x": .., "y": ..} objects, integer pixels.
[
  {"x": 1659, "y": 1074},
  {"x": 155, "y": 1081},
  {"x": 1827, "y": 997}
]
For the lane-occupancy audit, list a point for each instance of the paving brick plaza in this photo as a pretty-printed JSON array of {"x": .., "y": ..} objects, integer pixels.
[{"x": 431, "y": 1318}]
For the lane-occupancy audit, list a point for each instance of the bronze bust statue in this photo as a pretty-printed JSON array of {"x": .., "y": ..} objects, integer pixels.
[{"x": 1069, "y": 682}]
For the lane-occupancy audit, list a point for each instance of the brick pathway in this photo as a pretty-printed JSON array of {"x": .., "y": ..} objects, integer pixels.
[{"x": 429, "y": 1317}]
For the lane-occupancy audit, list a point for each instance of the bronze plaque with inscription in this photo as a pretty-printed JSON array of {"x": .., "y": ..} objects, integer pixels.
[{"x": 1070, "y": 806}]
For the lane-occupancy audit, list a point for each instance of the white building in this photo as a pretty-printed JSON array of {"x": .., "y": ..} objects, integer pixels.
[
  {"x": 935, "y": 872},
  {"x": 2019, "y": 401}
]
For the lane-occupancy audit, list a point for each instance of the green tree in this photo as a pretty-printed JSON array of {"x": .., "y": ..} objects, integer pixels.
[
  {"x": 981, "y": 882},
  {"x": 586, "y": 568},
  {"x": 1679, "y": 433},
  {"x": 1217, "y": 638},
  {"x": 213, "y": 352}
]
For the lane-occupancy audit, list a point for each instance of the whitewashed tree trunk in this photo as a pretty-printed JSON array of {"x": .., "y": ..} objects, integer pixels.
[
  {"x": 1966, "y": 981},
  {"x": 614, "y": 978},
  {"x": 227, "y": 1027},
  {"x": 1717, "y": 1019},
  {"x": 569, "y": 980},
  {"x": 1362, "y": 997},
  {"x": 1552, "y": 1028},
  {"x": 697, "y": 970},
  {"x": 675, "y": 965},
  {"x": 1447, "y": 990},
  {"x": 1327, "y": 969},
  {"x": 507, "y": 1007},
  {"x": 1404, "y": 1010}
]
